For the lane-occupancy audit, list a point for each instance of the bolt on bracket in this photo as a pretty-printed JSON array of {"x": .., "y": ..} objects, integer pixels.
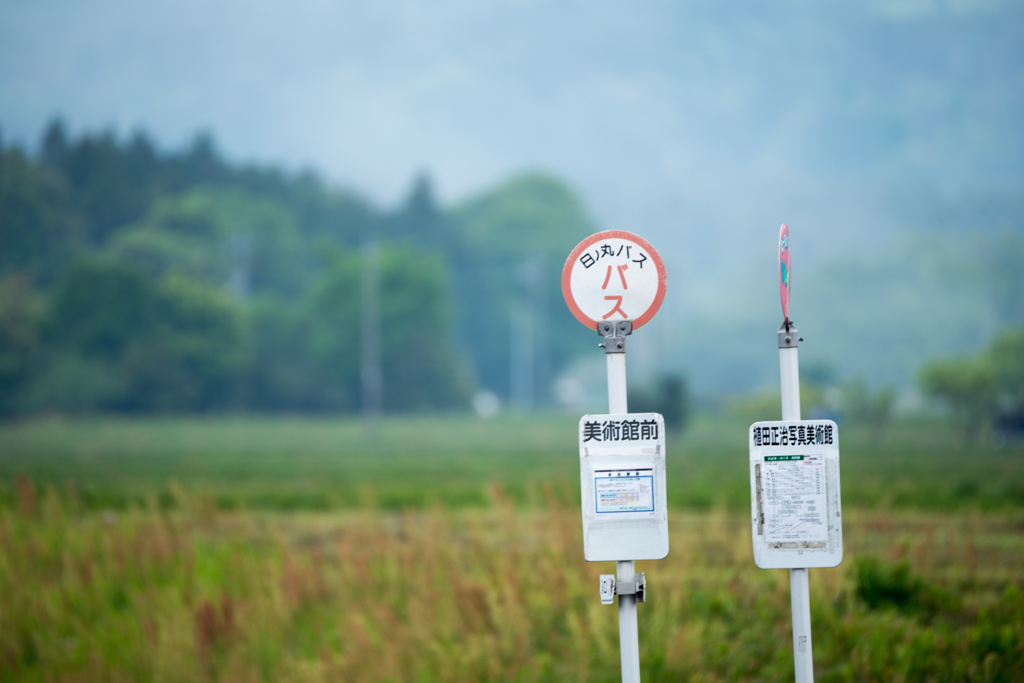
[
  {"x": 610, "y": 588},
  {"x": 789, "y": 337},
  {"x": 615, "y": 335}
]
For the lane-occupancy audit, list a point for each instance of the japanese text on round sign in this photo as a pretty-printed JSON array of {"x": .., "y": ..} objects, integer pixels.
[{"x": 612, "y": 276}]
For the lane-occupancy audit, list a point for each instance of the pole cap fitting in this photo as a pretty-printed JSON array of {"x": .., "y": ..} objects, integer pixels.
[{"x": 789, "y": 337}]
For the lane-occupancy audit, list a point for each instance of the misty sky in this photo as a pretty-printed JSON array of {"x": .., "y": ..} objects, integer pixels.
[
  {"x": 700, "y": 125},
  {"x": 661, "y": 113}
]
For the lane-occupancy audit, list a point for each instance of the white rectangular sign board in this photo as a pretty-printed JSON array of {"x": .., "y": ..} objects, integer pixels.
[
  {"x": 622, "y": 487},
  {"x": 794, "y": 494}
]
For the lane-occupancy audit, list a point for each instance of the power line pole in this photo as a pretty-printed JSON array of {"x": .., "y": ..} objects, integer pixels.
[{"x": 371, "y": 377}]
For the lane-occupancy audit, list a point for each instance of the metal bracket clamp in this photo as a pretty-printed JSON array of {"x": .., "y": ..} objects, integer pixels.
[
  {"x": 789, "y": 337},
  {"x": 610, "y": 588},
  {"x": 615, "y": 335},
  {"x": 607, "y": 589}
]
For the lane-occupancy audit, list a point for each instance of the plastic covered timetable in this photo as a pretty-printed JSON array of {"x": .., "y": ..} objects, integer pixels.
[
  {"x": 796, "y": 515},
  {"x": 622, "y": 487},
  {"x": 794, "y": 495},
  {"x": 617, "y": 491}
]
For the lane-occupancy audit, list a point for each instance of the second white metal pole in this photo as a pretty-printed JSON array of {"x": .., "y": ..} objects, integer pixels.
[
  {"x": 629, "y": 637},
  {"x": 789, "y": 369},
  {"x": 799, "y": 587},
  {"x": 800, "y": 603}
]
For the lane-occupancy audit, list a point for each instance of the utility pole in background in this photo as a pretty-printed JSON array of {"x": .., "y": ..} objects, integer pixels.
[
  {"x": 371, "y": 377},
  {"x": 528, "y": 352}
]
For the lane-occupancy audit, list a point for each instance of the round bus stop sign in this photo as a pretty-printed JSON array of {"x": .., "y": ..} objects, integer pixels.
[
  {"x": 785, "y": 270},
  {"x": 612, "y": 276}
]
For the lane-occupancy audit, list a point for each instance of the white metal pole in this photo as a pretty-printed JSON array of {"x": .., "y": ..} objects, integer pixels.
[
  {"x": 629, "y": 638},
  {"x": 799, "y": 588},
  {"x": 616, "y": 383},
  {"x": 629, "y": 633}
]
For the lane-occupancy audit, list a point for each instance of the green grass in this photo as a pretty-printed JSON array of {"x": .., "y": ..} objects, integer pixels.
[
  {"x": 278, "y": 463},
  {"x": 500, "y": 594},
  {"x": 449, "y": 549}
]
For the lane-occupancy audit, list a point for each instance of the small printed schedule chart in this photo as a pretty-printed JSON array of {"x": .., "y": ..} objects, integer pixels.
[
  {"x": 794, "y": 494},
  {"x": 624, "y": 491}
]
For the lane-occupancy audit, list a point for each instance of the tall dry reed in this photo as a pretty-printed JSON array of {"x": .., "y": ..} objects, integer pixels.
[{"x": 493, "y": 594}]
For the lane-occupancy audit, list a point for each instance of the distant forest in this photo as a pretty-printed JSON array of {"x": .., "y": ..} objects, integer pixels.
[{"x": 134, "y": 279}]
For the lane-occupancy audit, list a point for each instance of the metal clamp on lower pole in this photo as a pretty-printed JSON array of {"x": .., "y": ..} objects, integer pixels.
[
  {"x": 615, "y": 335},
  {"x": 610, "y": 588}
]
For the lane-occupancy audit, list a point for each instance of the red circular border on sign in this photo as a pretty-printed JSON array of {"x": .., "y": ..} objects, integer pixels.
[{"x": 608, "y": 234}]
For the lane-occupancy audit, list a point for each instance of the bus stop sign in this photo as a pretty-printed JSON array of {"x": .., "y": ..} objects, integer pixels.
[
  {"x": 613, "y": 276},
  {"x": 785, "y": 270}
]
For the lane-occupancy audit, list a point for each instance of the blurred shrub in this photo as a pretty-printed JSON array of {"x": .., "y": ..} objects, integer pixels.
[
  {"x": 668, "y": 396},
  {"x": 997, "y": 641},
  {"x": 509, "y": 246},
  {"x": 421, "y": 367},
  {"x": 968, "y": 386},
  {"x": 221, "y": 236},
  {"x": 978, "y": 390},
  {"x": 72, "y": 383},
  {"x": 882, "y": 585},
  {"x": 192, "y": 361},
  {"x": 117, "y": 341},
  {"x": 19, "y": 338},
  {"x": 871, "y": 409},
  {"x": 1006, "y": 354},
  {"x": 37, "y": 230},
  {"x": 765, "y": 404},
  {"x": 282, "y": 373},
  {"x": 100, "y": 306},
  {"x": 113, "y": 337}
]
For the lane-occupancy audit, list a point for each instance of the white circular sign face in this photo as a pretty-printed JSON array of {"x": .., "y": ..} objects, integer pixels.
[{"x": 613, "y": 276}]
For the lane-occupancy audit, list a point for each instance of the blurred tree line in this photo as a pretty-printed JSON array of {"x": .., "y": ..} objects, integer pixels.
[
  {"x": 985, "y": 392},
  {"x": 133, "y": 279}
]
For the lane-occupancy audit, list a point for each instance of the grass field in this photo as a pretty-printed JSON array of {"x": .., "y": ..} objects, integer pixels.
[
  {"x": 450, "y": 550},
  {"x": 310, "y": 464}
]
